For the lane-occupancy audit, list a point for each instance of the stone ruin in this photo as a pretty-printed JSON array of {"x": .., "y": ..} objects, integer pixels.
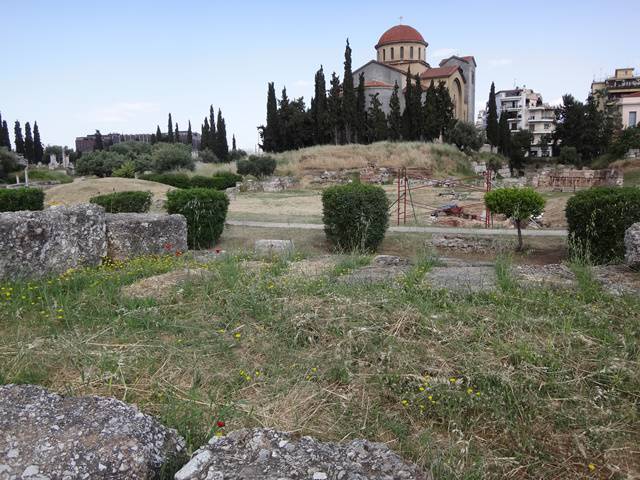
[
  {"x": 565, "y": 179},
  {"x": 36, "y": 244}
]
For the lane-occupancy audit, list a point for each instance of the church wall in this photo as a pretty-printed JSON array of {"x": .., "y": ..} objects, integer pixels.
[
  {"x": 384, "y": 95},
  {"x": 380, "y": 73},
  {"x": 469, "y": 86}
]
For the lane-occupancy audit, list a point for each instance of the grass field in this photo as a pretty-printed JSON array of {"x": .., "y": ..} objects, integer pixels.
[{"x": 519, "y": 383}]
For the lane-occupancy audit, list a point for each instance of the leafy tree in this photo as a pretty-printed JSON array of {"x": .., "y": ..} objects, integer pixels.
[
  {"x": 376, "y": 121},
  {"x": 518, "y": 204},
  {"x": 334, "y": 108},
  {"x": 171, "y": 156},
  {"x": 493, "y": 130},
  {"x": 207, "y": 156},
  {"x": 568, "y": 156},
  {"x": 319, "y": 113},
  {"x": 189, "y": 135},
  {"x": 170, "y": 130},
  {"x": 349, "y": 112},
  {"x": 98, "y": 144},
  {"x": 56, "y": 150},
  {"x": 17, "y": 130},
  {"x": 628, "y": 139},
  {"x": 38, "y": 152},
  {"x": 9, "y": 162},
  {"x": 6, "y": 140},
  {"x": 545, "y": 140},
  {"x": 465, "y": 136},
  {"x": 395, "y": 117},
  {"x": 520, "y": 146},
  {"x": 504, "y": 142},
  {"x": 99, "y": 162},
  {"x": 29, "y": 151},
  {"x": 361, "y": 112},
  {"x": 431, "y": 122},
  {"x": 270, "y": 133},
  {"x": 221, "y": 144}
]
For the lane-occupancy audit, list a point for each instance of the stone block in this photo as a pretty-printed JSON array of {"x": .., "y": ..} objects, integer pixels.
[
  {"x": 632, "y": 246},
  {"x": 273, "y": 247},
  {"x": 36, "y": 244},
  {"x": 131, "y": 235},
  {"x": 45, "y": 435}
]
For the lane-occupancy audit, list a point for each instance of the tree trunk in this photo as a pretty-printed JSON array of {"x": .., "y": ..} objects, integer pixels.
[{"x": 519, "y": 249}]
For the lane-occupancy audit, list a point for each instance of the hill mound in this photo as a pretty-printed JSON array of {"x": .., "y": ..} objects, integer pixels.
[
  {"x": 437, "y": 159},
  {"x": 80, "y": 191}
]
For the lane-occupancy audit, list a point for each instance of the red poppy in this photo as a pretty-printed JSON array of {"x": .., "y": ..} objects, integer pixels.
[{"x": 220, "y": 424}]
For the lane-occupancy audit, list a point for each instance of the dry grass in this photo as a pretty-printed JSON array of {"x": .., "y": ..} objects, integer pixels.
[
  {"x": 436, "y": 158},
  {"x": 80, "y": 191}
]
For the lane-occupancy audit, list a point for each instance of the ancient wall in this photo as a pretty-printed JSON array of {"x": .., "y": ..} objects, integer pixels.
[{"x": 569, "y": 179}]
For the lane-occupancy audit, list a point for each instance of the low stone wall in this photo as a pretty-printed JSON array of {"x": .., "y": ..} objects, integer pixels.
[
  {"x": 632, "y": 246},
  {"x": 131, "y": 235},
  {"x": 569, "y": 179},
  {"x": 49, "y": 242},
  {"x": 36, "y": 244}
]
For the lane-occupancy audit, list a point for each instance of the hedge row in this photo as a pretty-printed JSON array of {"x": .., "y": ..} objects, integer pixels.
[
  {"x": 124, "y": 202},
  {"x": 258, "y": 166},
  {"x": 14, "y": 200},
  {"x": 598, "y": 219},
  {"x": 219, "y": 181}
]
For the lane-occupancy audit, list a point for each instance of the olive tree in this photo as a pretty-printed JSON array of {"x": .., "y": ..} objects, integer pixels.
[{"x": 515, "y": 203}]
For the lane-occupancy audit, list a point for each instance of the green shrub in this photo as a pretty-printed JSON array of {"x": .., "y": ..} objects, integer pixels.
[
  {"x": 518, "y": 204},
  {"x": 226, "y": 180},
  {"x": 16, "y": 199},
  {"x": 598, "y": 218},
  {"x": 126, "y": 170},
  {"x": 569, "y": 156},
  {"x": 124, "y": 202},
  {"x": 200, "y": 181},
  {"x": 355, "y": 216},
  {"x": 8, "y": 163},
  {"x": 178, "y": 180},
  {"x": 205, "y": 210},
  {"x": 258, "y": 166},
  {"x": 207, "y": 156}
]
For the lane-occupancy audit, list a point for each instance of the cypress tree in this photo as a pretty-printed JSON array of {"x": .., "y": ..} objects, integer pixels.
[
  {"x": 158, "y": 134},
  {"x": 38, "y": 152},
  {"x": 28, "y": 143},
  {"x": 189, "y": 135},
  {"x": 431, "y": 123},
  {"x": 361, "y": 111},
  {"x": 376, "y": 121},
  {"x": 233, "y": 143},
  {"x": 334, "y": 109},
  {"x": 271, "y": 132},
  {"x": 177, "y": 133},
  {"x": 6, "y": 141},
  {"x": 493, "y": 131},
  {"x": 17, "y": 130},
  {"x": 204, "y": 135},
  {"x": 504, "y": 140},
  {"x": 222, "y": 145},
  {"x": 3, "y": 142},
  {"x": 444, "y": 109},
  {"x": 418, "y": 118},
  {"x": 211, "y": 140},
  {"x": 98, "y": 144},
  {"x": 395, "y": 117},
  {"x": 284, "y": 118},
  {"x": 170, "y": 130},
  {"x": 319, "y": 112},
  {"x": 408, "y": 110},
  {"x": 348, "y": 97}
]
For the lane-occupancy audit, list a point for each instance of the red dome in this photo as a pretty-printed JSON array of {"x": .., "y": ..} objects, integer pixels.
[{"x": 400, "y": 33}]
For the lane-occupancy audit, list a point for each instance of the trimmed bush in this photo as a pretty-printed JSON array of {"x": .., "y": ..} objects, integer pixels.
[
  {"x": 226, "y": 180},
  {"x": 355, "y": 216},
  {"x": 200, "y": 181},
  {"x": 598, "y": 218},
  {"x": 258, "y": 166},
  {"x": 205, "y": 210},
  {"x": 14, "y": 200},
  {"x": 124, "y": 202},
  {"x": 178, "y": 180}
]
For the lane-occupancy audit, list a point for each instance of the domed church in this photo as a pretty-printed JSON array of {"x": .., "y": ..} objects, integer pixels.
[{"x": 402, "y": 50}]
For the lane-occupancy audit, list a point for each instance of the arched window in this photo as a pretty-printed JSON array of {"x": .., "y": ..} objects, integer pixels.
[
  {"x": 411, "y": 53},
  {"x": 419, "y": 53},
  {"x": 402, "y": 52},
  {"x": 384, "y": 54},
  {"x": 392, "y": 53}
]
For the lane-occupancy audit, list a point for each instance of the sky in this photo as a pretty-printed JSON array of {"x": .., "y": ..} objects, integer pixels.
[{"x": 122, "y": 66}]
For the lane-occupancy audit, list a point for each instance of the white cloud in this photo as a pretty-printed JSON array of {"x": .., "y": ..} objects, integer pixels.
[
  {"x": 443, "y": 52},
  {"x": 122, "y": 112},
  {"x": 500, "y": 62}
]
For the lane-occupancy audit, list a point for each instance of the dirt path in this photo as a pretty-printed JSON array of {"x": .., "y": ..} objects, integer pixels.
[{"x": 442, "y": 230}]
